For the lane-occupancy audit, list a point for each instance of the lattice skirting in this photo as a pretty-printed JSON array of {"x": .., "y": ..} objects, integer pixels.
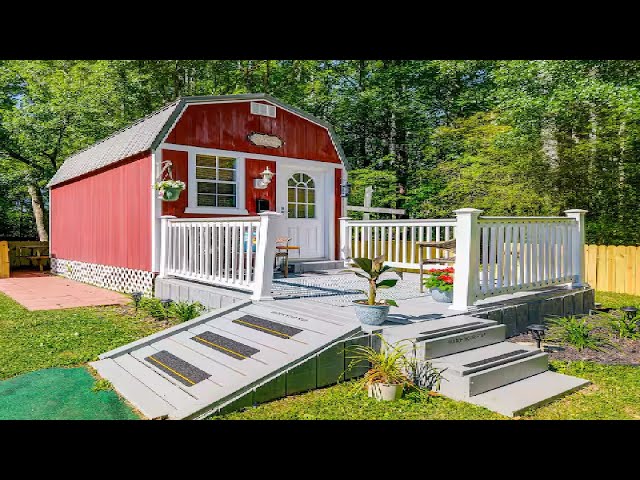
[{"x": 120, "y": 279}]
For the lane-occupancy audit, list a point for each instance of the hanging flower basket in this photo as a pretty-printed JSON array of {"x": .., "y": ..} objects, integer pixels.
[{"x": 169, "y": 190}]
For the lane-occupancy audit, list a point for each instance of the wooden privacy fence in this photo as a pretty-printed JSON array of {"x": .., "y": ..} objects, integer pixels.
[
  {"x": 613, "y": 268},
  {"x": 4, "y": 260}
]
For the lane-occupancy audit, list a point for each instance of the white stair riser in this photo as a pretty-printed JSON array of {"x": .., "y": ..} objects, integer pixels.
[
  {"x": 463, "y": 387},
  {"x": 460, "y": 342},
  {"x": 301, "y": 267}
]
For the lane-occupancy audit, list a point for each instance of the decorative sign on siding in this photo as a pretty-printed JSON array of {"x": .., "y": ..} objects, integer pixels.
[{"x": 265, "y": 140}]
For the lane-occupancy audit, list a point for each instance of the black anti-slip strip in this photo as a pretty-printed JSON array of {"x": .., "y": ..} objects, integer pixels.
[
  {"x": 182, "y": 371},
  {"x": 495, "y": 359},
  {"x": 267, "y": 326},
  {"x": 463, "y": 328},
  {"x": 225, "y": 345}
]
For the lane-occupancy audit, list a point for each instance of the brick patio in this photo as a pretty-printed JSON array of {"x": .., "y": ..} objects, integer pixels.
[{"x": 37, "y": 291}]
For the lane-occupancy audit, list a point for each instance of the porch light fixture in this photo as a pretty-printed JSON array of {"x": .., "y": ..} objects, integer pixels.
[
  {"x": 345, "y": 189},
  {"x": 537, "y": 332},
  {"x": 262, "y": 183},
  {"x": 630, "y": 312}
]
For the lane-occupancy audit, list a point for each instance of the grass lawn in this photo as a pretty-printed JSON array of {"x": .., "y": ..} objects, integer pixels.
[{"x": 64, "y": 338}]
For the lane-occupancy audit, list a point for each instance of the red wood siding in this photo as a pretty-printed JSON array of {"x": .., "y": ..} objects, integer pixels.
[
  {"x": 337, "y": 210},
  {"x": 105, "y": 218},
  {"x": 225, "y": 126},
  {"x": 253, "y": 168}
]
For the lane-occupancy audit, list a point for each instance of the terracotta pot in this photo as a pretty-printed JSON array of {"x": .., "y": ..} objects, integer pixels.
[{"x": 387, "y": 392}]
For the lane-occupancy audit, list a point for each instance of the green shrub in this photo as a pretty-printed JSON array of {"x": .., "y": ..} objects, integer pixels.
[
  {"x": 576, "y": 332},
  {"x": 622, "y": 326},
  {"x": 153, "y": 307},
  {"x": 186, "y": 311}
]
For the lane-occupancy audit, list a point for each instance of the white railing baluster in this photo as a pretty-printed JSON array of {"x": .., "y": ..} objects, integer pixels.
[
  {"x": 485, "y": 258},
  {"x": 508, "y": 254}
]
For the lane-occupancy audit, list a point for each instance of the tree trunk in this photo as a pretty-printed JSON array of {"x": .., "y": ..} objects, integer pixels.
[{"x": 38, "y": 211}]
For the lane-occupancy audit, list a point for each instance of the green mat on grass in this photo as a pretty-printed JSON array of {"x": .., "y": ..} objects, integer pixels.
[{"x": 59, "y": 394}]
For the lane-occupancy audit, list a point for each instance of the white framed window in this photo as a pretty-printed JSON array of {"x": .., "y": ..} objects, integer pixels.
[
  {"x": 216, "y": 183},
  {"x": 301, "y": 196}
]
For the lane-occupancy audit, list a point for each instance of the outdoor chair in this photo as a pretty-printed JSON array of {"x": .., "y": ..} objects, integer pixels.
[
  {"x": 282, "y": 251},
  {"x": 446, "y": 245}
]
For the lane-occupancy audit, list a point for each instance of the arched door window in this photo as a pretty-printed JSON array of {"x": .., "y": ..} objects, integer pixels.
[{"x": 301, "y": 196}]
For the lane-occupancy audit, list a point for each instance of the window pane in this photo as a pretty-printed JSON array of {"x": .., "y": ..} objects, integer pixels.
[
  {"x": 301, "y": 212},
  {"x": 206, "y": 200},
  {"x": 226, "y": 162},
  {"x": 203, "y": 173},
  {"x": 310, "y": 183},
  {"x": 311, "y": 196},
  {"x": 301, "y": 195},
  {"x": 311, "y": 211},
  {"x": 206, "y": 187},
  {"x": 292, "y": 182},
  {"x": 227, "y": 175},
  {"x": 292, "y": 195},
  {"x": 292, "y": 211},
  {"x": 226, "y": 201},
  {"x": 205, "y": 161},
  {"x": 227, "y": 188}
]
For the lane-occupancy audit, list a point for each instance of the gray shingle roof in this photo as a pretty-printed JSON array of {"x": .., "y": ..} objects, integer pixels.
[{"x": 148, "y": 132}]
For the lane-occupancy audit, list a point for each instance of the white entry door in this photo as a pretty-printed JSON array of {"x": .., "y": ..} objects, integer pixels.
[{"x": 301, "y": 197}]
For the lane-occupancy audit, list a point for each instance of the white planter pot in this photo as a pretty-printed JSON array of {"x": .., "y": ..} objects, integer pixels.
[{"x": 386, "y": 391}]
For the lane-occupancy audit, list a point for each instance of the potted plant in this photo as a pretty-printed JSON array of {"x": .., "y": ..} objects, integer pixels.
[
  {"x": 371, "y": 311},
  {"x": 169, "y": 190},
  {"x": 386, "y": 377},
  {"x": 439, "y": 281}
]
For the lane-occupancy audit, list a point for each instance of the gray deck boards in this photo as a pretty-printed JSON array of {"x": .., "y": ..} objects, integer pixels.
[{"x": 230, "y": 376}]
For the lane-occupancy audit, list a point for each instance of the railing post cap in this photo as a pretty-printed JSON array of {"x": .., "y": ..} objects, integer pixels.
[
  {"x": 576, "y": 210},
  {"x": 269, "y": 214},
  {"x": 468, "y": 210},
  {"x": 168, "y": 216},
  {"x": 345, "y": 218}
]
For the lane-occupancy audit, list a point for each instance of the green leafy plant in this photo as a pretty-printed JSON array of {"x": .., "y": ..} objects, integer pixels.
[
  {"x": 421, "y": 374},
  {"x": 387, "y": 365},
  {"x": 371, "y": 271},
  {"x": 442, "y": 279},
  {"x": 576, "y": 332},
  {"x": 101, "y": 384},
  {"x": 186, "y": 310},
  {"x": 621, "y": 325},
  {"x": 153, "y": 307}
]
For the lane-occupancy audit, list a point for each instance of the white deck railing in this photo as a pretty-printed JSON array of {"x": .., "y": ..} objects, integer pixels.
[
  {"x": 520, "y": 253},
  {"x": 395, "y": 239},
  {"x": 494, "y": 255},
  {"x": 233, "y": 252}
]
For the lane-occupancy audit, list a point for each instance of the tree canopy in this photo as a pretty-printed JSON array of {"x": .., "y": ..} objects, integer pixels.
[{"x": 509, "y": 137}]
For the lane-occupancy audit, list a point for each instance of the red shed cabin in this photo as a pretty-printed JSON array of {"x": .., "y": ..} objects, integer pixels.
[{"x": 106, "y": 218}]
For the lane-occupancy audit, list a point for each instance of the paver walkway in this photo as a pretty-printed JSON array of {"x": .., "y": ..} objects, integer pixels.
[{"x": 49, "y": 292}]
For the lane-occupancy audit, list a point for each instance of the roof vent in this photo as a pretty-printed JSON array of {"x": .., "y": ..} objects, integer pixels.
[{"x": 263, "y": 109}]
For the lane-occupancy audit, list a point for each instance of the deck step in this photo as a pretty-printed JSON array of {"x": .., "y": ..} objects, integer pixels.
[
  {"x": 446, "y": 336},
  {"x": 534, "y": 391},
  {"x": 476, "y": 371},
  {"x": 137, "y": 393}
]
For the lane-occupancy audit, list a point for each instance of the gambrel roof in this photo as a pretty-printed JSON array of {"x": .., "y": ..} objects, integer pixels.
[{"x": 148, "y": 132}]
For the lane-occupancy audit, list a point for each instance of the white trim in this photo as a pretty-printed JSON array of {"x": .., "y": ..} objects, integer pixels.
[
  {"x": 192, "y": 207},
  {"x": 155, "y": 213},
  {"x": 331, "y": 233},
  {"x": 50, "y": 227},
  {"x": 217, "y": 210},
  {"x": 302, "y": 162}
]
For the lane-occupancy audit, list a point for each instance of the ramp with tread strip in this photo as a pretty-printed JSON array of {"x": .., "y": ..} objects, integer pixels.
[{"x": 218, "y": 356}]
